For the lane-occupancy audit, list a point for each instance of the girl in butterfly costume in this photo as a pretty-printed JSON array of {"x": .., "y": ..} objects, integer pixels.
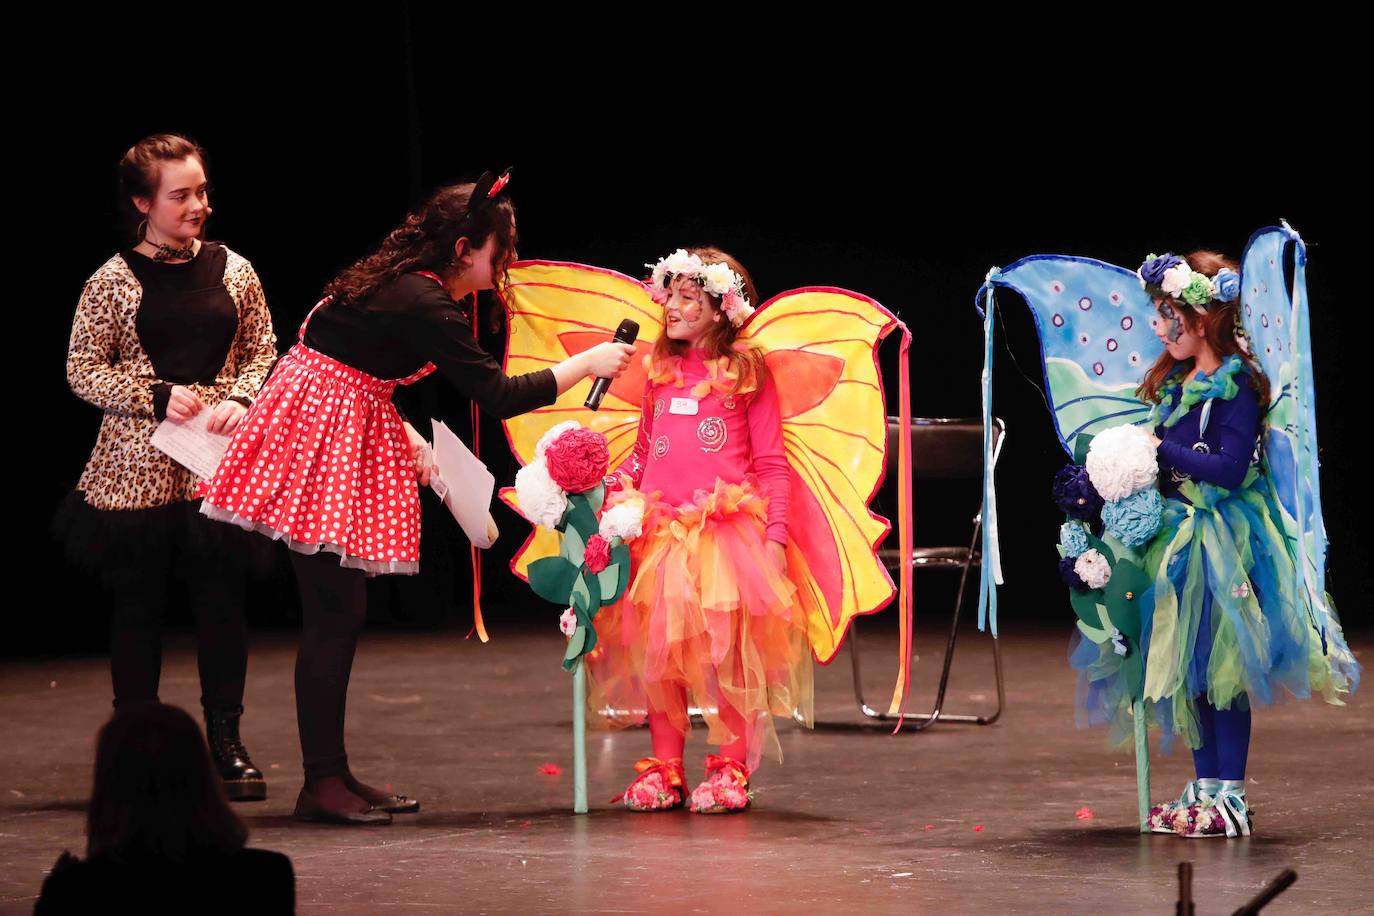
[
  {"x": 1233, "y": 608},
  {"x": 740, "y": 571}
]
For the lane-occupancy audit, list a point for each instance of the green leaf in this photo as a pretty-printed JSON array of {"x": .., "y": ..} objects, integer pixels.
[
  {"x": 1096, "y": 543},
  {"x": 579, "y": 639},
  {"x": 582, "y": 517},
  {"x": 1080, "y": 447},
  {"x": 1124, "y": 594},
  {"x": 1085, "y": 606},
  {"x": 593, "y": 594},
  {"x": 1096, "y": 634},
  {"x": 590, "y": 644},
  {"x": 613, "y": 589},
  {"x": 574, "y": 546},
  {"x": 609, "y": 580},
  {"x": 1120, "y": 551},
  {"x": 595, "y": 497},
  {"x": 1133, "y": 668},
  {"x": 580, "y": 594},
  {"x": 552, "y": 579}
]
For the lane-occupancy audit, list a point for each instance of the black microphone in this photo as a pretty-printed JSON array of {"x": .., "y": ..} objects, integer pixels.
[{"x": 626, "y": 333}]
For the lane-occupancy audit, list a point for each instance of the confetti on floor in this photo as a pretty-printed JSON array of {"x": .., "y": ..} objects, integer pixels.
[
  {"x": 1084, "y": 814},
  {"x": 551, "y": 769}
]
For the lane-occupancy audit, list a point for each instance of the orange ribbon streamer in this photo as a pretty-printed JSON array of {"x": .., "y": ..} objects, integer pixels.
[
  {"x": 477, "y": 623},
  {"x": 904, "y": 531}
]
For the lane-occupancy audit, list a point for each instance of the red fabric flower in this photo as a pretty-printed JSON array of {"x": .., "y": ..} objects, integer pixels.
[
  {"x": 578, "y": 459},
  {"x": 598, "y": 554}
]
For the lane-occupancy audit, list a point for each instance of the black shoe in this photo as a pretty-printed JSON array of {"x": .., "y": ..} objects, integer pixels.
[
  {"x": 242, "y": 780},
  {"x": 397, "y": 804},
  {"x": 381, "y": 801},
  {"x": 308, "y": 809}
]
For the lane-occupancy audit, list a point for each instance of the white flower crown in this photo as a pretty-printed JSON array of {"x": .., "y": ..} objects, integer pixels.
[{"x": 717, "y": 279}]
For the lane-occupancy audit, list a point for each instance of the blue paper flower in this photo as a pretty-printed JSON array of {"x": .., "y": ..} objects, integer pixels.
[
  {"x": 1135, "y": 519},
  {"x": 1152, "y": 271},
  {"x": 1073, "y": 538},
  {"x": 1075, "y": 495},
  {"x": 1071, "y": 578},
  {"x": 1227, "y": 282}
]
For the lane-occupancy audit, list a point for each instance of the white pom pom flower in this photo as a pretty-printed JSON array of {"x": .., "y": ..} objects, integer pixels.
[
  {"x": 1093, "y": 568},
  {"x": 568, "y": 622},
  {"x": 554, "y": 432},
  {"x": 1122, "y": 461},
  {"x": 542, "y": 501},
  {"x": 623, "y": 520}
]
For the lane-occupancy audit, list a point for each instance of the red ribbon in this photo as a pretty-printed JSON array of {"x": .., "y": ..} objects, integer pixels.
[{"x": 904, "y": 531}]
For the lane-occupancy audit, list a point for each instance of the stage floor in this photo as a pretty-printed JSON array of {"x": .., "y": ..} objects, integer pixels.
[{"x": 959, "y": 819}]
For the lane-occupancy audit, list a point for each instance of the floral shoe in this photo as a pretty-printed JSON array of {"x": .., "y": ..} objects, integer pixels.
[
  {"x": 660, "y": 786},
  {"x": 1165, "y": 816},
  {"x": 726, "y": 789},
  {"x": 1226, "y": 815}
]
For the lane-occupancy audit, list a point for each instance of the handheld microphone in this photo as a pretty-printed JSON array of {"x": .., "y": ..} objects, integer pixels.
[{"x": 626, "y": 333}]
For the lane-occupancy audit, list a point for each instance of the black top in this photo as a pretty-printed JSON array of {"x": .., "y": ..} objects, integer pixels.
[
  {"x": 252, "y": 881},
  {"x": 412, "y": 321},
  {"x": 186, "y": 320}
]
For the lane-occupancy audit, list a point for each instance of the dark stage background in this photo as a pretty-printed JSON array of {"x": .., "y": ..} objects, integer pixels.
[{"x": 894, "y": 184}]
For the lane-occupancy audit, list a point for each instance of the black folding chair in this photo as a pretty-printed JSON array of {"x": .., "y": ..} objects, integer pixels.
[{"x": 941, "y": 449}]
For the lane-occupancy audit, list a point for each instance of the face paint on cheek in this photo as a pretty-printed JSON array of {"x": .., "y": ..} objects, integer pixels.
[
  {"x": 690, "y": 312},
  {"x": 1173, "y": 324}
]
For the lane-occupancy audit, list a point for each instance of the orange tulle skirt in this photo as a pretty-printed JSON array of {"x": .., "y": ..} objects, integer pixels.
[{"x": 706, "y": 613}]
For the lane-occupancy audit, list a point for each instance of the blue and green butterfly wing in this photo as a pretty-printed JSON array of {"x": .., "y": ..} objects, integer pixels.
[{"x": 1095, "y": 325}]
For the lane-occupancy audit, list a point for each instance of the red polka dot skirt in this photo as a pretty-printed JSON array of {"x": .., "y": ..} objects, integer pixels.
[{"x": 321, "y": 461}]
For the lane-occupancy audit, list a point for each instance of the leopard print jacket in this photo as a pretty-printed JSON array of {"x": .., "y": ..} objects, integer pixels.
[{"x": 106, "y": 366}]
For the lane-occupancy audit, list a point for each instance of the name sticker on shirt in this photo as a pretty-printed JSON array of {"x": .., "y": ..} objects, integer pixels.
[{"x": 686, "y": 407}]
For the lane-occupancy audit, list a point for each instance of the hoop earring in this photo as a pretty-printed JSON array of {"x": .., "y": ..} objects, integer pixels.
[{"x": 141, "y": 233}]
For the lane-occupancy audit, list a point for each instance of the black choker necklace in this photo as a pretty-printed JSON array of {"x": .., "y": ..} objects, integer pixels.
[{"x": 168, "y": 253}]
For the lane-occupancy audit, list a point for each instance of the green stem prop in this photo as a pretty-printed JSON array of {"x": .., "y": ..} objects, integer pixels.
[
  {"x": 580, "y": 737},
  {"x": 565, "y": 580},
  {"x": 1142, "y": 766}
]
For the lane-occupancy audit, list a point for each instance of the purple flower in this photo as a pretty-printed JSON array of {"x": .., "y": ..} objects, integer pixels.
[
  {"x": 1075, "y": 494},
  {"x": 1152, "y": 271},
  {"x": 1071, "y": 578}
]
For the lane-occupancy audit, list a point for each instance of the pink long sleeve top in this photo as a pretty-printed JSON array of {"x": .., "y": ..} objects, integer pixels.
[{"x": 693, "y": 431}]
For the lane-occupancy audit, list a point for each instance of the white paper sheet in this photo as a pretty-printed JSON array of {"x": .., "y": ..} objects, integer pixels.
[
  {"x": 191, "y": 444},
  {"x": 465, "y": 485}
]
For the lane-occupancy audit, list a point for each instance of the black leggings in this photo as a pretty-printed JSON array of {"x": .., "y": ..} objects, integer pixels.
[
  {"x": 334, "y": 606},
  {"x": 216, "y": 592}
]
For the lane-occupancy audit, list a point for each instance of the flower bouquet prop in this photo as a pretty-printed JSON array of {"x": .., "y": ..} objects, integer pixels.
[
  {"x": 1113, "y": 509},
  {"x": 563, "y": 490}
]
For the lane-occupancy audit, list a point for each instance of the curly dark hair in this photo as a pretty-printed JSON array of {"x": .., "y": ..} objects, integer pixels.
[{"x": 425, "y": 240}]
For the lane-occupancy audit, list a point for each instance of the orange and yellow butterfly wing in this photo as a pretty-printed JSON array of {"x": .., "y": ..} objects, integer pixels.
[
  {"x": 823, "y": 342},
  {"x": 558, "y": 309}
]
